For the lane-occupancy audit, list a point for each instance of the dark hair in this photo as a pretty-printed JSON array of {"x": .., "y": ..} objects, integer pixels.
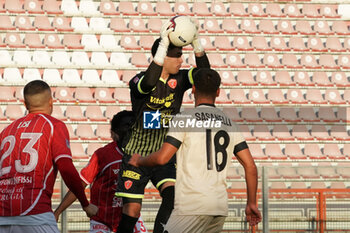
[
  {"x": 156, "y": 45},
  {"x": 122, "y": 121},
  {"x": 35, "y": 87},
  {"x": 206, "y": 81}
]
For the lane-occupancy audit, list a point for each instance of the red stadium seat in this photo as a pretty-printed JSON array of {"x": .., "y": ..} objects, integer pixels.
[
  {"x": 257, "y": 152},
  {"x": 154, "y": 24},
  {"x": 227, "y": 78},
  {"x": 78, "y": 152},
  {"x": 200, "y": 9},
  {"x": 259, "y": 43},
  {"x": 250, "y": 114},
  {"x": 85, "y": 132},
  {"x": 290, "y": 61},
  {"x": 319, "y": 132},
  {"x": 296, "y": 43},
  {"x": 276, "y": 96},
  {"x": 145, "y": 8},
  {"x": 14, "y": 6},
  {"x": 237, "y": 9},
  {"x": 256, "y": 10},
  {"x": 58, "y": 113},
  {"x": 219, "y": 9},
  {"x": 164, "y": 9},
  {"x": 329, "y": 11},
  {"x": 108, "y": 8},
  {"x": 322, "y": 28},
  {"x": 137, "y": 25},
  {"x": 223, "y": 98},
  {"x": 146, "y": 42},
  {"x": 211, "y": 26},
  {"x": 262, "y": 133},
  {"x": 230, "y": 26},
  {"x": 52, "y": 41},
  {"x": 257, "y": 96},
  {"x": 73, "y": 41},
  {"x": 92, "y": 147},
  {"x": 278, "y": 44},
  {"x": 75, "y": 113},
  {"x": 298, "y": 185},
  {"x": 289, "y": 115},
  {"x": 285, "y": 27},
  {"x": 111, "y": 110},
  {"x": 222, "y": 43},
  {"x": 300, "y": 132},
  {"x": 103, "y": 131},
  {"x": 317, "y": 185},
  {"x": 7, "y": 94},
  {"x": 288, "y": 172},
  {"x": 311, "y": 10},
  {"x": 83, "y": 95},
  {"x": 118, "y": 25},
  {"x": 238, "y": 96},
  {"x": 332, "y": 96},
  {"x": 339, "y": 79},
  {"x": 122, "y": 95},
  {"x": 71, "y": 131},
  {"x": 326, "y": 114},
  {"x": 249, "y": 26},
  {"x": 233, "y": 114},
  {"x": 126, "y": 8},
  {"x": 252, "y": 60},
  {"x": 313, "y": 151},
  {"x": 129, "y": 42},
  {"x": 245, "y": 77},
  {"x": 344, "y": 61},
  {"x": 303, "y": 27},
  {"x": 327, "y": 61},
  {"x": 302, "y": 78},
  {"x": 64, "y": 94},
  {"x": 62, "y": 24},
  {"x": 293, "y": 151},
  {"x": 52, "y": 7},
  {"x": 182, "y": 8},
  {"x": 104, "y": 95},
  {"x": 295, "y": 96},
  {"x": 2, "y": 8},
  {"x": 13, "y": 40},
  {"x": 33, "y": 7},
  {"x": 241, "y": 43},
  {"x": 6, "y": 23},
  {"x": 309, "y": 173},
  {"x": 14, "y": 112},
  {"x": 314, "y": 96},
  {"x": 42, "y": 23},
  {"x": 274, "y": 10},
  {"x": 339, "y": 132},
  {"x": 264, "y": 78},
  {"x": 269, "y": 114},
  {"x": 246, "y": 132},
  {"x": 333, "y": 44},
  {"x": 139, "y": 60},
  {"x": 307, "y": 114},
  {"x": 33, "y": 41},
  {"x": 292, "y": 10},
  {"x": 340, "y": 27},
  {"x": 272, "y": 61},
  {"x": 216, "y": 60}
]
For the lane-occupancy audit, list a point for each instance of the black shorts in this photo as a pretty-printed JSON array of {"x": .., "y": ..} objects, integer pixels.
[{"x": 133, "y": 180}]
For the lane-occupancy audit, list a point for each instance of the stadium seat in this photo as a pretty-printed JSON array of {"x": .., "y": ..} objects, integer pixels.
[
  {"x": 288, "y": 172},
  {"x": 252, "y": 60},
  {"x": 182, "y": 8},
  {"x": 52, "y": 7},
  {"x": 249, "y": 26},
  {"x": 292, "y": 10},
  {"x": 33, "y": 41},
  {"x": 19, "y": 93},
  {"x": 98, "y": 25},
  {"x": 246, "y": 132},
  {"x": 92, "y": 147},
  {"x": 200, "y": 9},
  {"x": 69, "y": 7},
  {"x": 303, "y": 27},
  {"x": 14, "y": 6},
  {"x": 314, "y": 96},
  {"x": 145, "y": 8},
  {"x": 320, "y": 132},
  {"x": 22, "y": 58},
  {"x": 85, "y": 132},
  {"x": 230, "y": 26},
  {"x": 233, "y": 114},
  {"x": 146, "y": 42},
  {"x": 33, "y": 7},
  {"x": 104, "y": 95},
  {"x": 278, "y": 185},
  {"x": 129, "y": 42},
  {"x": 58, "y": 113},
  {"x": 216, "y": 60},
  {"x": 122, "y": 60},
  {"x": 332, "y": 151},
  {"x": 62, "y": 24},
  {"x": 276, "y": 96},
  {"x": 274, "y": 10},
  {"x": 52, "y": 41},
  {"x": 83, "y": 95},
  {"x": 337, "y": 185},
  {"x": 332, "y": 96},
  {"x": 122, "y": 95},
  {"x": 340, "y": 27},
  {"x": 227, "y": 78},
  {"x": 256, "y": 10},
  {"x": 154, "y": 24},
  {"x": 274, "y": 152},
  {"x": 110, "y": 77},
  {"x": 90, "y": 42},
  {"x": 126, "y": 8},
  {"x": 52, "y": 76},
  {"x": 262, "y": 133},
  {"x": 283, "y": 78},
  {"x": 311, "y": 10},
  {"x": 118, "y": 25},
  {"x": 309, "y": 173},
  {"x": 14, "y": 112},
  {"x": 99, "y": 59},
  {"x": 80, "y": 58},
  {"x": 290, "y": 61},
  {"x": 241, "y": 43},
  {"x": 309, "y": 61},
  {"x": 300, "y": 132},
  {"x": 13, "y": 40},
  {"x": 322, "y": 28},
  {"x": 333, "y": 44},
  {"x": 108, "y": 42},
  {"x": 232, "y": 173},
  {"x": 139, "y": 60},
  {"x": 344, "y": 61},
  {"x": 257, "y": 152},
  {"x": 61, "y": 58},
  {"x": 259, "y": 43},
  {"x": 128, "y": 75},
  {"x": 281, "y": 132},
  {"x": 5, "y": 58},
  {"x": 339, "y": 132},
  {"x": 238, "y": 96},
  {"x": 278, "y": 44},
  {"x": 42, "y": 23},
  {"x": 302, "y": 78},
  {"x": 285, "y": 27},
  {"x": 321, "y": 78},
  {"x": 137, "y": 25},
  {"x": 75, "y": 113},
  {"x": 339, "y": 79},
  {"x": 326, "y": 114},
  {"x": 293, "y": 151},
  {"x": 307, "y": 114},
  {"x": 297, "y": 185},
  {"x": 313, "y": 151},
  {"x": 250, "y": 114},
  {"x": 6, "y": 23},
  {"x": 211, "y": 26},
  {"x": 164, "y": 9},
  {"x": 264, "y": 78},
  {"x": 257, "y": 96},
  {"x": 12, "y": 76},
  {"x": 269, "y": 114},
  {"x": 297, "y": 44},
  {"x": 31, "y": 74},
  {"x": 103, "y": 131},
  {"x": 41, "y": 58},
  {"x": 64, "y": 95},
  {"x": 7, "y": 94},
  {"x": 315, "y": 44},
  {"x": 317, "y": 185},
  {"x": 245, "y": 77},
  {"x": 71, "y": 131},
  {"x": 73, "y": 41},
  {"x": 223, "y": 98},
  {"x": 272, "y": 61},
  {"x": 111, "y": 110},
  {"x": 72, "y": 76},
  {"x": 329, "y": 11},
  {"x": 108, "y": 8},
  {"x": 78, "y": 152},
  {"x": 218, "y": 9},
  {"x": 2, "y": 10}
]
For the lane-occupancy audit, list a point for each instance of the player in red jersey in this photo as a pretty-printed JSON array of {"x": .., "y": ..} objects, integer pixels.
[
  {"x": 102, "y": 174},
  {"x": 32, "y": 150}
]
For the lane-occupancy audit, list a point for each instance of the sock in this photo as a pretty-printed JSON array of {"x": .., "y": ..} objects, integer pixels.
[
  {"x": 126, "y": 224},
  {"x": 165, "y": 209}
]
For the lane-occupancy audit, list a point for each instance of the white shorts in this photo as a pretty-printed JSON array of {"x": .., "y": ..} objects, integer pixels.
[
  {"x": 26, "y": 229},
  {"x": 194, "y": 223},
  {"x": 97, "y": 227}
]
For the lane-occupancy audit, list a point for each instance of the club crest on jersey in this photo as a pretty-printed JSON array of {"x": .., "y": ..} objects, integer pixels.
[
  {"x": 151, "y": 120},
  {"x": 128, "y": 184},
  {"x": 172, "y": 83}
]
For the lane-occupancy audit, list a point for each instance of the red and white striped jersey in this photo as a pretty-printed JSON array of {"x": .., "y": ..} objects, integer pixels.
[
  {"x": 29, "y": 148},
  {"x": 102, "y": 172}
]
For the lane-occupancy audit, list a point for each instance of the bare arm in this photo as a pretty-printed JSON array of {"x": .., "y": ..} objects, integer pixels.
[
  {"x": 251, "y": 177},
  {"x": 160, "y": 157},
  {"x": 67, "y": 201}
]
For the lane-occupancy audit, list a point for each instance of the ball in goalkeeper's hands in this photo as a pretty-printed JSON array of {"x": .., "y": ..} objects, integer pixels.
[{"x": 184, "y": 31}]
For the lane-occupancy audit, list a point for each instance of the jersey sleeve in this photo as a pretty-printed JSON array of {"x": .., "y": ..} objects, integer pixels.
[
  {"x": 60, "y": 144},
  {"x": 175, "y": 135},
  {"x": 90, "y": 171},
  {"x": 239, "y": 143}
]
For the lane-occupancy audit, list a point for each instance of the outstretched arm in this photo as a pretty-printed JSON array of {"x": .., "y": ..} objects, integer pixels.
[
  {"x": 67, "y": 201},
  {"x": 160, "y": 157},
  {"x": 251, "y": 177}
]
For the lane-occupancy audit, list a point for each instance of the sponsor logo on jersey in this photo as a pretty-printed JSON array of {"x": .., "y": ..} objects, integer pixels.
[
  {"x": 151, "y": 120},
  {"x": 128, "y": 184},
  {"x": 172, "y": 83},
  {"x": 131, "y": 175}
]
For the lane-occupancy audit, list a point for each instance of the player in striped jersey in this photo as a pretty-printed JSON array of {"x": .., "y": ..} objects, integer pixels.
[
  {"x": 159, "y": 91},
  {"x": 204, "y": 141},
  {"x": 102, "y": 173},
  {"x": 33, "y": 148}
]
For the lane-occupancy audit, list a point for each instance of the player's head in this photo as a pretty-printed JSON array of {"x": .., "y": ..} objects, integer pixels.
[
  {"x": 120, "y": 125},
  {"x": 173, "y": 59},
  {"x": 206, "y": 83},
  {"x": 37, "y": 97}
]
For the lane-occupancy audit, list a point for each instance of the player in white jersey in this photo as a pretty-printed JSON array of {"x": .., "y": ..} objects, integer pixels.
[
  {"x": 33, "y": 148},
  {"x": 204, "y": 139}
]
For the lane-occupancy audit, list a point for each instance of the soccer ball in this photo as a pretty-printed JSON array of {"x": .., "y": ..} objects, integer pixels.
[{"x": 184, "y": 31}]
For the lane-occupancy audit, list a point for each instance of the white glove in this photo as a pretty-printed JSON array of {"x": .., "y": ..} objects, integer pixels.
[
  {"x": 196, "y": 43},
  {"x": 164, "y": 43}
]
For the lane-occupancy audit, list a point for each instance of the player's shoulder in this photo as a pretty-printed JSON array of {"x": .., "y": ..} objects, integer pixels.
[
  {"x": 109, "y": 149},
  {"x": 136, "y": 78}
]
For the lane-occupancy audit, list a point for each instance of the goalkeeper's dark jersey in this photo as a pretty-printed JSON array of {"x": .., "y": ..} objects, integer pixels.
[{"x": 166, "y": 97}]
